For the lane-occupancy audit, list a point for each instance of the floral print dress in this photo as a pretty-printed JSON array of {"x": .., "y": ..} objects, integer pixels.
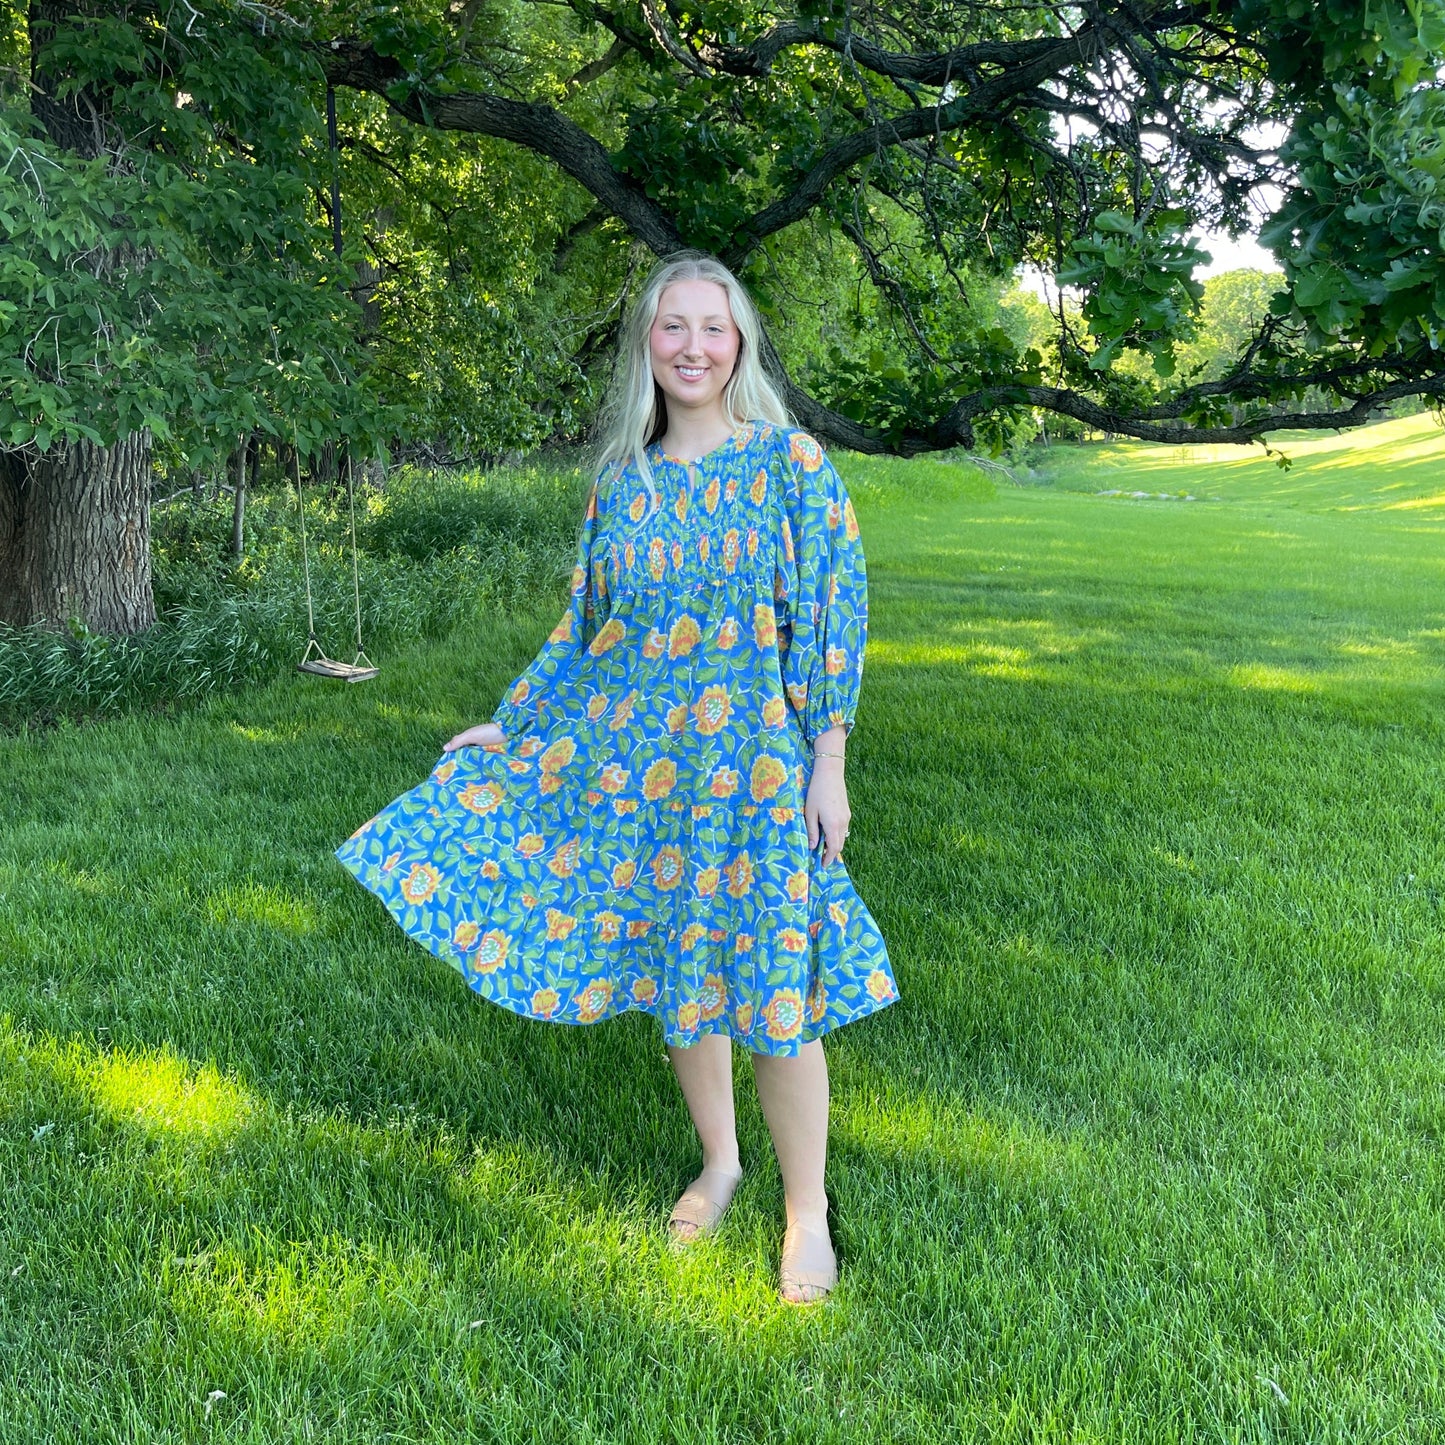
[{"x": 638, "y": 840}]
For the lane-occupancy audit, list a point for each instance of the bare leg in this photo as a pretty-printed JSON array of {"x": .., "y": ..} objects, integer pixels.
[
  {"x": 705, "y": 1075},
  {"x": 794, "y": 1096}
]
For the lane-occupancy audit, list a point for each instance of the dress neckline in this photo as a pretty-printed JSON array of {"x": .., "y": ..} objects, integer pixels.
[{"x": 697, "y": 461}]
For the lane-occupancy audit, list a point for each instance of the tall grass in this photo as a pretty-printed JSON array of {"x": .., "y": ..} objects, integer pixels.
[{"x": 434, "y": 549}]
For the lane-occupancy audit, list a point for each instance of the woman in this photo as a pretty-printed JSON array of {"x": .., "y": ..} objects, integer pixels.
[{"x": 655, "y": 816}]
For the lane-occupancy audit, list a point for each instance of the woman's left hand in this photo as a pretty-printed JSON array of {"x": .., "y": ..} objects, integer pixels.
[{"x": 826, "y": 810}]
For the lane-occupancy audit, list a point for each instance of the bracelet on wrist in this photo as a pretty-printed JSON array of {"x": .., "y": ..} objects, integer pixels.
[{"x": 824, "y": 753}]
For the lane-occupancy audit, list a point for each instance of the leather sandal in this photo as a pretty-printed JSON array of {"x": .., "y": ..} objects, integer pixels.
[
  {"x": 702, "y": 1206},
  {"x": 808, "y": 1266}
]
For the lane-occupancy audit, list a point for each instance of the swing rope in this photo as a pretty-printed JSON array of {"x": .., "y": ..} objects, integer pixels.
[{"x": 314, "y": 660}]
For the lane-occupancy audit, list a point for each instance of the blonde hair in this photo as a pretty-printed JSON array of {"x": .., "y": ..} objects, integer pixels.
[{"x": 634, "y": 414}]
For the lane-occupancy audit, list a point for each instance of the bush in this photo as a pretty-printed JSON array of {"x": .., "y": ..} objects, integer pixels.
[{"x": 434, "y": 550}]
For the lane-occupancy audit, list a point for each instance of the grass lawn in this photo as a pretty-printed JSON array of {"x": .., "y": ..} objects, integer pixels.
[{"x": 1149, "y": 801}]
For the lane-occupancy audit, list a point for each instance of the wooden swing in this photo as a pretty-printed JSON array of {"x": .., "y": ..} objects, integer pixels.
[{"x": 314, "y": 660}]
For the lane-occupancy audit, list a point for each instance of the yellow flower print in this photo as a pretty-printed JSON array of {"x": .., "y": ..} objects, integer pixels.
[
  {"x": 677, "y": 718},
  {"x": 835, "y": 516},
  {"x": 713, "y": 997},
  {"x": 798, "y": 885},
  {"x": 803, "y": 448},
  {"x": 765, "y": 625},
  {"x": 608, "y": 925},
  {"x": 768, "y": 776},
  {"x": 707, "y": 882},
  {"x": 558, "y": 755},
  {"x": 724, "y": 782},
  {"x": 392, "y": 859},
  {"x": 623, "y": 806},
  {"x": 481, "y": 798},
  {"x": 687, "y": 1016},
  {"x": 667, "y": 867},
  {"x": 817, "y": 1000},
  {"x": 659, "y": 780},
  {"x": 491, "y": 953},
  {"x": 530, "y": 746},
  {"x": 614, "y": 778},
  {"x": 657, "y": 559},
  {"x": 550, "y": 783},
  {"x": 775, "y": 710},
  {"x": 759, "y": 488},
  {"x": 727, "y": 634},
  {"x": 740, "y": 874},
  {"x": 490, "y": 868},
  {"x": 743, "y": 1018},
  {"x": 835, "y": 660},
  {"x": 731, "y": 490},
  {"x": 420, "y": 883},
  {"x": 752, "y": 541},
  {"x": 637, "y": 927},
  {"x": 522, "y": 691},
  {"x": 465, "y": 934},
  {"x": 629, "y": 554},
  {"x": 783, "y": 815},
  {"x": 838, "y": 914},
  {"x": 529, "y": 844},
  {"x": 788, "y": 552},
  {"x": 732, "y": 549},
  {"x": 793, "y": 939},
  {"x": 593, "y": 1000},
  {"x": 564, "y": 860},
  {"x": 644, "y": 990},
  {"x": 608, "y": 635},
  {"x": 516, "y": 765},
  {"x": 677, "y": 555},
  {"x": 442, "y": 774},
  {"x": 704, "y": 546},
  {"x": 562, "y": 632},
  {"x": 685, "y": 635},
  {"x": 655, "y": 645},
  {"x": 688, "y": 939},
  {"x": 744, "y": 943},
  {"x": 559, "y": 924},
  {"x": 679, "y": 507},
  {"x": 638, "y": 507},
  {"x": 544, "y": 1002},
  {"x": 717, "y": 934},
  {"x": 880, "y": 985},
  {"x": 797, "y": 695},
  {"x": 701, "y": 810},
  {"x": 784, "y": 1013},
  {"x": 713, "y": 709},
  {"x": 596, "y": 706},
  {"x": 710, "y": 497},
  {"x": 623, "y": 874}
]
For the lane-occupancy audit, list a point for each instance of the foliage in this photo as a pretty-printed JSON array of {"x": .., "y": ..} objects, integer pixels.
[
  {"x": 177, "y": 280},
  {"x": 435, "y": 551}
]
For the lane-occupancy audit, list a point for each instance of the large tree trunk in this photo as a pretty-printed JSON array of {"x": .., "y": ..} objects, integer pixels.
[{"x": 75, "y": 537}]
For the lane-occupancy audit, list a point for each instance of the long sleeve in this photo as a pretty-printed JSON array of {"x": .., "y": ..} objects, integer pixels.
[
  {"x": 530, "y": 693},
  {"x": 823, "y": 669}
]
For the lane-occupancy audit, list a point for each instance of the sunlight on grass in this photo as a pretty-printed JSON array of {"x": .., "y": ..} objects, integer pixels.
[
  {"x": 926, "y": 1127},
  {"x": 1272, "y": 679},
  {"x": 161, "y": 1092},
  {"x": 269, "y": 907}
]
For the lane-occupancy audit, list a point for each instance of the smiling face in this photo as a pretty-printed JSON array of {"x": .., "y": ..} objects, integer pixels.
[{"x": 694, "y": 344}]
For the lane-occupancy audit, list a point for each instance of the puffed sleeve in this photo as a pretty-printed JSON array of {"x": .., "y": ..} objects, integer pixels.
[
  {"x": 828, "y": 601},
  {"x": 587, "y": 609}
]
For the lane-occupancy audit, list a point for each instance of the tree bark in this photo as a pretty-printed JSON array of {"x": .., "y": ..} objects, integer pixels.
[
  {"x": 75, "y": 537},
  {"x": 240, "y": 458}
]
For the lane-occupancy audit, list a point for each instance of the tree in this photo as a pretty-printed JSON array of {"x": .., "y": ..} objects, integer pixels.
[
  {"x": 958, "y": 137},
  {"x": 164, "y": 282}
]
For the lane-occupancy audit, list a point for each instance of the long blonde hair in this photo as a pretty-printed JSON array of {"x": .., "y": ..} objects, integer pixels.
[{"x": 634, "y": 414}]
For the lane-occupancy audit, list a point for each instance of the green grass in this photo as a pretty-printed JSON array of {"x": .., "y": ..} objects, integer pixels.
[{"x": 1148, "y": 800}]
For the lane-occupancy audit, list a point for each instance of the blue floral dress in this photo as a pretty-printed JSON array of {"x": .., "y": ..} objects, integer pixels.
[{"x": 638, "y": 840}]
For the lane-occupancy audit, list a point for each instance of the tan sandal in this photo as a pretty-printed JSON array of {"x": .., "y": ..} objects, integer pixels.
[
  {"x": 808, "y": 1268},
  {"x": 703, "y": 1205}
]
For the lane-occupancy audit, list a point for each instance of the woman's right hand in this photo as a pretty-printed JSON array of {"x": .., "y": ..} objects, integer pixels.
[{"x": 484, "y": 735}]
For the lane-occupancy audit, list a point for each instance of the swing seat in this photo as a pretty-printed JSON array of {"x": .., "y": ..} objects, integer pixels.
[
  {"x": 338, "y": 671},
  {"x": 316, "y": 662}
]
